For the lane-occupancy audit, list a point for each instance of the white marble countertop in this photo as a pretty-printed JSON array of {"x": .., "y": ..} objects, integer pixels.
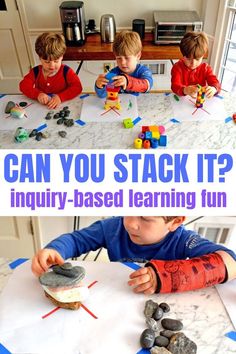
[
  {"x": 154, "y": 109},
  {"x": 205, "y": 318}
]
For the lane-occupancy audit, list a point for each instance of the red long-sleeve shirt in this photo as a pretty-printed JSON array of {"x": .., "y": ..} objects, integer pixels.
[
  {"x": 56, "y": 84},
  {"x": 182, "y": 76}
]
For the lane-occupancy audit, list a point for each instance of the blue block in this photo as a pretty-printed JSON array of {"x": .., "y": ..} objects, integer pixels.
[
  {"x": 154, "y": 143},
  {"x": 148, "y": 135},
  {"x": 163, "y": 140},
  {"x": 109, "y": 76}
]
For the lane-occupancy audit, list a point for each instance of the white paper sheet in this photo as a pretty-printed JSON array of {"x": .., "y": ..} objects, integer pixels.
[
  {"x": 93, "y": 109},
  {"x": 227, "y": 294},
  {"x": 213, "y": 109},
  {"x": 22, "y": 305}
]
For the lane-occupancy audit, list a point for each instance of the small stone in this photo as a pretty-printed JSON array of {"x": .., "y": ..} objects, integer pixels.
[
  {"x": 48, "y": 116},
  {"x": 161, "y": 341},
  {"x": 158, "y": 314},
  {"x": 69, "y": 122},
  {"x": 173, "y": 325},
  {"x": 9, "y": 106},
  {"x": 62, "y": 133},
  {"x": 152, "y": 324},
  {"x": 39, "y": 136},
  {"x": 167, "y": 333},
  {"x": 180, "y": 344},
  {"x": 60, "y": 121},
  {"x": 45, "y": 134},
  {"x": 72, "y": 272},
  {"x": 150, "y": 308},
  {"x": 55, "y": 280},
  {"x": 65, "y": 108},
  {"x": 23, "y": 104},
  {"x": 66, "y": 265},
  {"x": 56, "y": 116},
  {"x": 147, "y": 338},
  {"x": 159, "y": 350},
  {"x": 33, "y": 133},
  {"x": 165, "y": 307}
]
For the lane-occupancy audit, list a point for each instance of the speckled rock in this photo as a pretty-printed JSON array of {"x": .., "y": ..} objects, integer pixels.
[
  {"x": 173, "y": 325},
  {"x": 62, "y": 277},
  {"x": 147, "y": 338},
  {"x": 152, "y": 324},
  {"x": 9, "y": 106},
  {"x": 167, "y": 333},
  {"x": 158, "y": 314},
  {"x": 159, "y": 350},
  {"x": 180, "y": 344},
  {"x": 165, "y": 307},
  {"x": 161, "y": 341},
  {"x": 150, "y": 308},
  {"x": 62, "y": 133}
]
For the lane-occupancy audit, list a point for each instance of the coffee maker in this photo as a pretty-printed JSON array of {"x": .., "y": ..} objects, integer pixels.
[{"x": 73, "y": 22}]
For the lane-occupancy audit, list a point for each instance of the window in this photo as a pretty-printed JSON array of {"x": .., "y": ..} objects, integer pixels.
[{"x": 228, "y": 65}]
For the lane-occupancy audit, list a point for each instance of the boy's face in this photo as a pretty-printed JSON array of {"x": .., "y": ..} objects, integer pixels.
[
  {"x": 51, "y": 67},
  {"x": 146, "y": 230},
  {"x": 192, "y": 63},
  {"x": 127, "y": 64}
]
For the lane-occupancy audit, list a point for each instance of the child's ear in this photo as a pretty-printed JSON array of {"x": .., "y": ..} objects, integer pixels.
[
  {"x": 176, "y": 222},
  {"x": 139, "y": 55}
]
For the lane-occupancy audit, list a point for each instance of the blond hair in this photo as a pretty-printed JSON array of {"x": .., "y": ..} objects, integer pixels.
[
  {"x": 127, "y": 43},
  {"x": 50, "y": 46},
  {"x": 194, "y": 45},
  {"x": 168, "y": 218}
]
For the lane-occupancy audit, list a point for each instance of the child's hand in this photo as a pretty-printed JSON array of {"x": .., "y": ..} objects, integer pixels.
[
  {"x": 54, "y": 102},
  {"x": 143, "y": 280},
  {"x": 210, "y": 91},
  {"x": 120, "y": 81},
  {"x": 101, "y": 81},
  {"x": 191, "y": 91},
  {"x": 44, "y": 259},
  {"x": 43, "y": 98}
]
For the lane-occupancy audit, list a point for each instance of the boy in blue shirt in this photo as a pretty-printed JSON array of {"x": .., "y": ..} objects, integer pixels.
[
  {"x": 178, "y": 259},
  {"x": 128, "y": 74}
]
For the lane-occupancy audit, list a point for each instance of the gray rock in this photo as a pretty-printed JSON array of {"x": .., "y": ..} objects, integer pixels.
[
  {"x": 147, "y": 338},
  {"x": 180, "y": 344},
  {"x": 150, "y": 308},
  {"x": 66, "y": 265},
  {"x": 73, "y": 272},
  {"x": 62, "y": 133},
  {"x": 54, "y": 280},
  {"x": 165, "y": 307},
  {"x": 9, "y": 106},
  {"x": 167, "y": 333},
  {"x": 152, "y": 324},
  {"x": 161, "y": 341},
  {"x": 173, "y": 325},
  {"x": 159, "y": 350},
  {"x": 158, "y": 314}
]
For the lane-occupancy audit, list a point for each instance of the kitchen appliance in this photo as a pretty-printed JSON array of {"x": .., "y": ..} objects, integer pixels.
[
  {"x": 139, "y": 27},
  {"x": 73, "y": 22},
  {"x": 107, "y": 28},
  {"x": 171, "y": 26}
]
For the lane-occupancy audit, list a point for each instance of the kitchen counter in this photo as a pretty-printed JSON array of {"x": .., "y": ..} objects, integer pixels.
[
  {"x": 203, "y": 314},
  {"x": 94, "y": 49},
  {"x": 154, "y": 109}
]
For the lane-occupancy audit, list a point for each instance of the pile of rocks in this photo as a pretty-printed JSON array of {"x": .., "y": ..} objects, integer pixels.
[{"x": 166, "y": 340}]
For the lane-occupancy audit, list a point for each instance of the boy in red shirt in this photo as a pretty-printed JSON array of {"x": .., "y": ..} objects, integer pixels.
[
  {"x": 190, "y": 71},
  {"x": 52, "y": 82}
]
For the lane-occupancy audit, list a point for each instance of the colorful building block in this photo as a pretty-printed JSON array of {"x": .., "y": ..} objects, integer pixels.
[
  {"x": 128, "y": 123},
  {"x": 146, "y": 144},
  {"x": 154, "y": 128},
  {"x": 154, "y": 143},
  {"x": 200, "y": 96},
  {"x": 145, "y": 128},
  {"x": 162, "y": 129},
  {"x": 138, "y": 143},
  {"x": 112, "y": 100},
  {"x": 163, "y": 140},
  {"x": 156, "y": 135},
  {"x": 148, "y": 135}
]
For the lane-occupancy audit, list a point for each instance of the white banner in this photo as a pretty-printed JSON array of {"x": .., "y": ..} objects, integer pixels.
[{"x": 117, "y": 182}]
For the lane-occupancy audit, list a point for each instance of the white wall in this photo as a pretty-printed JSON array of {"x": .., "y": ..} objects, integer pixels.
[
  {"x": 52, "y": 227},
  {"x": 44, "y": 14}
]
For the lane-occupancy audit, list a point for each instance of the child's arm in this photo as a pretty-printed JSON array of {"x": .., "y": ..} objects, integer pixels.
[
  {"x": 214, "y": 85},
  {"x": 184, "y": 275},
  {"x": 132, "y": 84},
  {"x": 27, "y": 86},
  {"x": 44, "y": 259},
  {"x": 100, "y": 86},
  {"x": 73, "y": 89},
  {"x": 177, "y": 85}
]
